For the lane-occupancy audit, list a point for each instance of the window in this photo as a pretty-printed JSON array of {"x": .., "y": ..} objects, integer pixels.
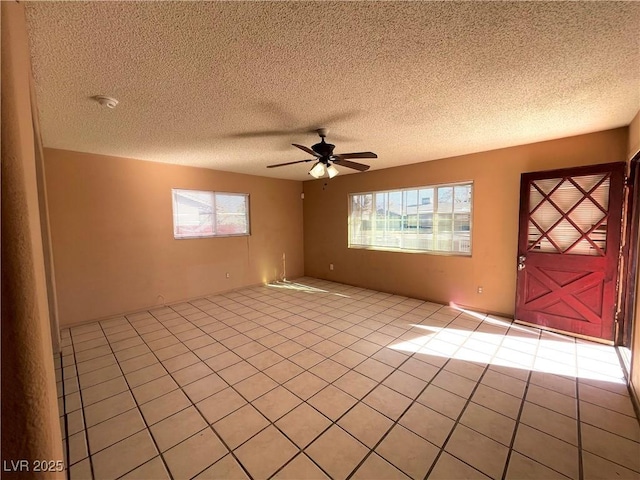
[
  {"x": 430, "y": 219},
  {"x": 198, "y": 214}
]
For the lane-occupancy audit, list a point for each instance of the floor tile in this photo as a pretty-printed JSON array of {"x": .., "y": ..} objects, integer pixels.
[
  {"x": 596, "y": 467},
  {"x": 305, "y": 385},
  {"x": 405, "y": 384},
  {"x": 115, "y": 429},
  {"x": 521, "y": 468},
  {"x": 136, "y": 363},
  {"x": 146, "y": 374},
  {"x": 255, "y": 386},
  {"x": 449, "y": 467},
  {"x": 496, "y": 400},
  {"x": 220, "y": 404},
  {"x": 612, "y": 447},
  {"x": 387, "y": 401},
  {"x": 77, "y": 447},
  {"x": 355, "y": 384},
  {"x": 612, "y": 401},
  {"x": 162, "y": 407},
  {"x": 154, "y": 389},
  {"x": 176, "y": 428},
  {"x": 557, "y": 402},
  {"x": 454, "y": 383},
  {"x": 276, "y": 403},
  {"x": 407, "y": 451},
  {"x": 348, "y": 358},
  {"x": 265, "y": 359},
  {"x": 560, "y": 426},
  {"x": 301, "y": 468},
  {"x": 478, "y": 451},
  {"x": 547, "y": 450},
  {"x": 153, "y": 469},
  {"x": 265, "y": 453},
  {"x": 191, "y": 373},
  {"x": 205, "y": 387},
  {"x": 376, "y": 468},
  {"x": 124, "y": 456},
  {"x": 195, "y": 454},
  {"x": 226, "y": 468},
  {"x": 365, "y": 424},
  {"x": 489, "y": 423},
  {"x": 427, "y": 423},
  {"x": 332, "y": 402},
  {"x": 283, "y": 371},
  {"x": 610, "y": 420},
  {"x": 238, "y": 427},
  {"x": 337, "y": 452},
  {"x": 108, "y": 408},
  {"x": 80, "y": 470},
  {"x": 303, "y": 424},
  {"x": 374, "y": 369}
]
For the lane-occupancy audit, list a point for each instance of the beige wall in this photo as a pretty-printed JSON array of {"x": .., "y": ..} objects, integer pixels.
[
  {"x": 112, "y": 234},
  {"x": 30, "y": 425},
  {"x": 496, "y": 177}
]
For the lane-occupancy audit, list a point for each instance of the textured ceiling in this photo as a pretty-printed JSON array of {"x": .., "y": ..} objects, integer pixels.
[{"x": 411, "y": 81}]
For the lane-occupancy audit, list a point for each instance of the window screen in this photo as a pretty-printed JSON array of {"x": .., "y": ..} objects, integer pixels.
[
  {"x": 198, "y": 214},
  {"x": 432, "y": 219}
]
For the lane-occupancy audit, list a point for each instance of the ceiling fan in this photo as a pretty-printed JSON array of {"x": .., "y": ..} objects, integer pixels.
[{"x": 326, "y": 160}]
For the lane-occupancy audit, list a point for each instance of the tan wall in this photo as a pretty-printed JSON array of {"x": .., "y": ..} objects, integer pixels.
[
  {"x": 112, "y": 234},
  {"x": 30, "y": 425},
  {"x": 496, "y": 177}
]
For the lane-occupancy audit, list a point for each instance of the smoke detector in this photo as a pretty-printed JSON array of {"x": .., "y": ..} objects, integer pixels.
[{"x": 108, "y": 102}]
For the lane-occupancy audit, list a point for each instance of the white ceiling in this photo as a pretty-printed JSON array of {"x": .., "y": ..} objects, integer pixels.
[{"x": 410, "y": 81}]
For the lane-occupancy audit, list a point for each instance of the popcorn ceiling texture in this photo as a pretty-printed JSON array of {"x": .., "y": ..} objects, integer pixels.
[{"x": 410, "y": 81}]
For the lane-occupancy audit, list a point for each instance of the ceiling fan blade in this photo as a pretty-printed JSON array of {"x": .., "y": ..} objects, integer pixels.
[
  {"x": 290, "y": 163},
  {"x": 306, "y": 149},
  {"x": 357, "y": 155},
  {"x": 356, "y": 166}
]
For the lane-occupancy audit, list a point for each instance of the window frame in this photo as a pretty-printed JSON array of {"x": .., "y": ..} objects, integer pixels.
[
  {"x": 214, "y": 223},
  {"x": 402, "y": 191}
]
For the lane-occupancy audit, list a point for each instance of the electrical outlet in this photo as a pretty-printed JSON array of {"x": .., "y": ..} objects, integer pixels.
[
  {"x": 331, "y": 266},
  {"x": 480, "y": 290},
  {"x": 228, "y": 275}
]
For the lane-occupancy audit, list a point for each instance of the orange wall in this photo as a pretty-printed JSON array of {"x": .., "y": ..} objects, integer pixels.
[
  {"x": 496, "y": 177},
  {"x": 112, "y": 234},
  {"x": 30, "y": 424}
]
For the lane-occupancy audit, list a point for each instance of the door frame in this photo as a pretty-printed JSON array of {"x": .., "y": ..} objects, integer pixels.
[
  {"x": 614, "y": 167},
  {"x": 629, "y": 278}
]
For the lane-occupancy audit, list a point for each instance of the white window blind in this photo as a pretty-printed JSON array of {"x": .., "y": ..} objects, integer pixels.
[
  {"x": 432, "y": 219},
  {"x": 198, "y": 214},
  {"x": 568, "y": 215}
]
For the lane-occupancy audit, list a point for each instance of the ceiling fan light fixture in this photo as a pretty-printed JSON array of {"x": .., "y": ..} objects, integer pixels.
[
  {"x": 332, "y": 171},
  {"x": 317, "y": 170}
]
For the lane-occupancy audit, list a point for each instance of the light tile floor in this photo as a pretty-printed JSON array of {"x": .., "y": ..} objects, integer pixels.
[{"x": 314, "y": 379}]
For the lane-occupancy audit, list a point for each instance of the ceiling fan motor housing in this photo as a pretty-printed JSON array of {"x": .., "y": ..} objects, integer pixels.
[{"x": 323, "y": 149}]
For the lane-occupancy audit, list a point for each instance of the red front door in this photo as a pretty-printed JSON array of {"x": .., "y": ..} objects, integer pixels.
[{"x": 568, "y": 248}]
